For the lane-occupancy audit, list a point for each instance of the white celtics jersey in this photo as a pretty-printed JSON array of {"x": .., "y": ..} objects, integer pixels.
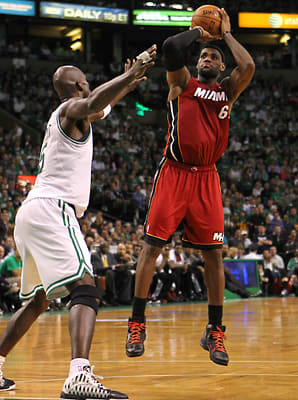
[{"x": 64, "y": 166}]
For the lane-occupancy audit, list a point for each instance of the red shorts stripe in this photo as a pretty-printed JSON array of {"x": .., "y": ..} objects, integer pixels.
[{"x": 188, "y": 194}]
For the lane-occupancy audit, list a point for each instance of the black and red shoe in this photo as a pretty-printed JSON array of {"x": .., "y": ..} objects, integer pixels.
[
  {"x": 213, "y": 341},
  {"x": 136, "y": 336}
]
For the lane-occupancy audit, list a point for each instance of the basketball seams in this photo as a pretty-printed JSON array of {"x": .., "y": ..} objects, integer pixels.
[
  {"x": 209, "y": 18},
  {"x": 206, "y": 23},
  {"x": 203, "y": 17}
]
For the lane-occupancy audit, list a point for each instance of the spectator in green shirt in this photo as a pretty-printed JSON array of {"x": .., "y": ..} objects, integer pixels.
[
  {"x": 11, "y": 267},
  {"x": 292, "y": 278},
  {"x": 293, "y": 216},
  {"x": 293, "y": 262}
]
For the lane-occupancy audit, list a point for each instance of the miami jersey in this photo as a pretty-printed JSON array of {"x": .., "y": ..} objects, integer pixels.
[
  {"x": 64, "y": 166},
  {"x": 198, "y": 124}
]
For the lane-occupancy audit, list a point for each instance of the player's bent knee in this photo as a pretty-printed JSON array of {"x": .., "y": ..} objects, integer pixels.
[
  {"x": 86, "y": 295},
  {"x": 151, "y": 251},
  {"x": 39, "y": 302}
]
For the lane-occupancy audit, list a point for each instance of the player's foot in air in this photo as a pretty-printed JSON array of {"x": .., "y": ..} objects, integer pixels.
[
  {"x": 136, "y": 336},
  {"x": 85, "y": 386},
  {"x": 213, "y": 341},
  {"x": 6, "y": 384}
]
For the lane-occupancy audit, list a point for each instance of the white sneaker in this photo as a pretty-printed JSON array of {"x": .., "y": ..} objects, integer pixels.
[
  {"x": 84, "y": 386},
  {"x": 6, "y": 384}
]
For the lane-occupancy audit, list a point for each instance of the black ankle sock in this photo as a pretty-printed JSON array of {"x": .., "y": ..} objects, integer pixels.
[
  {"x": 215, "y": 314},
  {"x": 138, "y": 309}
]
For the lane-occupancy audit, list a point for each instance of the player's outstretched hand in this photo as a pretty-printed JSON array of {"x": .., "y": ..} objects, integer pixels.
[
  {"x": 144, "y": 61},
  {"x": 205, "y": 35},
  {"x": 136, "y": 81},
  {"x": 225, "y": 22}
]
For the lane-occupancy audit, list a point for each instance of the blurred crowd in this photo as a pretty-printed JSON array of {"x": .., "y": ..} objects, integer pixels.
[
  {"x": 259, "y": 180},
  {"x": 274, "y": 57},
  {"x": 38, "y": 49},
  {"x": 240, "y": 5}
]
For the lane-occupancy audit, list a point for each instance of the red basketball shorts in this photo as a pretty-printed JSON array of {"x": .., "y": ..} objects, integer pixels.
[{"x": 187, "y": 194}]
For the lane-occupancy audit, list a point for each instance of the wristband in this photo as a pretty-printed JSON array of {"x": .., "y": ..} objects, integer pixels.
[
  {"x": 225, "y": 33},
  {"x": 145, "y": 57},
  {"x": 106, "y": 111}
]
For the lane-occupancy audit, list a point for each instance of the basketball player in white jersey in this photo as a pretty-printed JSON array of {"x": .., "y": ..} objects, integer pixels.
[{"x": 56, "y": 260}]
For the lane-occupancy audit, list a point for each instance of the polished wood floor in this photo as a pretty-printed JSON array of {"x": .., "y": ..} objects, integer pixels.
[{"x": 261, "y": 341}]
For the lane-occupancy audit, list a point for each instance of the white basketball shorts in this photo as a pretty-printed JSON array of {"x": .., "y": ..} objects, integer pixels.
[{"x": 52, "y": 247}]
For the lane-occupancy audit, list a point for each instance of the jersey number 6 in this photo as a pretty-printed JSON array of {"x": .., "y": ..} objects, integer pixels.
[{"x": 224, "y": 112}]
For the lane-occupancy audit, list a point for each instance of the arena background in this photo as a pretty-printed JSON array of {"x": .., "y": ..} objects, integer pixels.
[{"x": 258, "y": 171}]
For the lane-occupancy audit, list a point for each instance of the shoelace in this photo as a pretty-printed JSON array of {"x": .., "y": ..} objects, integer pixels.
[
  {"x": 218, "y": 336},
  {"x": 89, "y": 370},
  {"x": 136, "y": 329},
  {"x": 93, "y": 375}
]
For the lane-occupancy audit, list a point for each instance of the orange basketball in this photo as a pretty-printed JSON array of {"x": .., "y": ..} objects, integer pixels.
[{"x": 209, "y": 18}]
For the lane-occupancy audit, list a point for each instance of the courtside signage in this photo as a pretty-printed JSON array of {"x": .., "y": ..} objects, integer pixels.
[
  {"x": 85, "y": 13},
  {"x": 161, "y": 17},
  {"x": 267, "y": 20},
  {"x": 17, "y": 7}
]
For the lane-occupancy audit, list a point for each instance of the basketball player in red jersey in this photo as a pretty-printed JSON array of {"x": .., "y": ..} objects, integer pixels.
[{"x": 186, "y": 185}]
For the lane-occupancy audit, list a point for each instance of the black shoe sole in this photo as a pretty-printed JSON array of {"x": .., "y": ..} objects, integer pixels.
[
  {"x": 219, "y": 362},
  {"x": 135, "y": 354},
  {"x": 6, "y": 389},
  {"x": 64, "y": 396},
  {"x": 216, "y": 361}
]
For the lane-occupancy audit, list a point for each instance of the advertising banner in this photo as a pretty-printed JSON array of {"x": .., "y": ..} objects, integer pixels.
[
  {"x": 84, "y": 13},
  {"x": 268, "y": 20},
  {"x": 162, "y": 17},
  {"x": 17, "y": 7}
]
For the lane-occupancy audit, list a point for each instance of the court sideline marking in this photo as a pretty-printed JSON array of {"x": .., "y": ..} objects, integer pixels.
[{"x": 164, "y": 376}]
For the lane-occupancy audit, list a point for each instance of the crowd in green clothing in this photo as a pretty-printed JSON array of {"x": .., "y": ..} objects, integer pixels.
[
  {"x": 258, "y": 170},
  {"x": 11, "y": 266}
]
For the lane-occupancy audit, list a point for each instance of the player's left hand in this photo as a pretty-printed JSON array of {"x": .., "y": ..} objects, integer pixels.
[
  {"x": 144, "y": 61},
  {"x": 128, "y": 64},
  {"x": 225, "y": 22}
]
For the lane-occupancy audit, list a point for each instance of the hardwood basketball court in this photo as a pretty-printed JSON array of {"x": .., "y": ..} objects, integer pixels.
[{"x": 261, "y": 342}]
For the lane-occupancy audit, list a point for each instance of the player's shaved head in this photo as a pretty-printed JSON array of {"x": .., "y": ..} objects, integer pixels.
[{"x": 65, "y": 81}]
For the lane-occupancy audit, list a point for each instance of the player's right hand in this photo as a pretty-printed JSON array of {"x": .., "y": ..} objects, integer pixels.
[
  {"x": 144, "y": 61},
  {"x": 225, "y": 21}
]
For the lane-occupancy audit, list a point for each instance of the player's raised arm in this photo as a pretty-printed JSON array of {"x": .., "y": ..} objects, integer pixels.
[
  {"x": 78, "y": 108},
  {"x": 129, "y": 88},
  {"x": 243, "y": 73},
  {"x": 174, "y": 55}
]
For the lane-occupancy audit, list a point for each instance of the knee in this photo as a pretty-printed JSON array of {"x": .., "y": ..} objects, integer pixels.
[
  {"x": 213, "y": 259},
  {"x": 40, "y": 302},
  {"x": 150, "y": 251},
  {"x": 86, "y": 295}
]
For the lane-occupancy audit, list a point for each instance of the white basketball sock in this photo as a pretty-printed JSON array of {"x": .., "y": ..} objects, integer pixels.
[
  {"x": 2, "y": 361},
  {"x": 77, "y": 365}
]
